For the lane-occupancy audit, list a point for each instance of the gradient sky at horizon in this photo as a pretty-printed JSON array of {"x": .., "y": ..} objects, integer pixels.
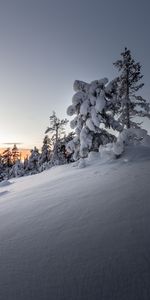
[{"x": 46, "y": 44}]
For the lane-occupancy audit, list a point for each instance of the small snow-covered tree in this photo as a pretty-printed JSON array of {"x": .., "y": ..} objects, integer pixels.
[
  {"x": 17, "y": 169},
  {"x": 7, "y": 162},
  {"x": 25, "y": 163},
  {"x": 66, "y": 140},
  {"x": 2, "y": 169},
  {"x": 63, "y": 155},
  {"x": 46, "y": 150},
  {"x": 7, "y": 157},
  {"x": 56, "y": 129},
  {"x": 33, "y": 161},
  {"x": 129, "y": 104},
  {"x": 15, "y": 154},
  {"x": 94, "y": 107}
]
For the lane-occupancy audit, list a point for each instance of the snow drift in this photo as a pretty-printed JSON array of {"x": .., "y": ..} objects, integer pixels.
[{"x": 78, "y": 234}]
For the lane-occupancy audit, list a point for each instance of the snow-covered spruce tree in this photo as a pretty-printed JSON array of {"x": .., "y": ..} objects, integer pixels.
[
  {"x": 2, "y": 169},
  {"x": 7, "y": 162},
  {"x": 33, "y": 162},
  {"x": 46, "y": 150},
  {"x": 64, "y": 156},
  {"x": 15, "y": 154},
  {"x": 17, "y": 169},
  {"x": 66, "y": 139},
  {"x": 25, "y": 165},
  {"x": 129, "y": 104},
  {"x": 56, "y": 129},
  {"x": 7, "y": 157},
  {"x": 94, "y": 107}
]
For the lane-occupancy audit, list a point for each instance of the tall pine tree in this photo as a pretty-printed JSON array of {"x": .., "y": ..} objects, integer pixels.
[
  {"x": 130, "y": 104},
  {"x": 57, "y": 129}
]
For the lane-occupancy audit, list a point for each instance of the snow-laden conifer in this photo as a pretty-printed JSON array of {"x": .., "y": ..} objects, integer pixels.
[
  {"x": 46, "y": 150},
  {"x": 15, "y": 154},
  {"x": 33, "y": 161},
  {"x": 57, "y": 130},
  {"x": 93, "y": 107},
  {"x": 17, "y": 169},
  {"x": 129, "y": 104}
]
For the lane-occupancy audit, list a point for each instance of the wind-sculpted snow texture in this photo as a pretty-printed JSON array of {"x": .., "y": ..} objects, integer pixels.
[
  {"x": 78, "y": 234},
  {"x": 94, "y": 106}
]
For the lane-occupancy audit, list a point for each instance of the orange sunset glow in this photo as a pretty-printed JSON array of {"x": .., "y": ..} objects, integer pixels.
[{"x": 23, "y": 152}]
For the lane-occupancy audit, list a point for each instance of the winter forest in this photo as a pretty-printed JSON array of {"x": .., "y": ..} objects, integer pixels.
[
  {"x": 107, "y": 116},
  {"x": 74, "y": 150}
]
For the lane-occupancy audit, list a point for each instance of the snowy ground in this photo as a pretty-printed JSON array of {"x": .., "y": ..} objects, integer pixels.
[{"x": 78, "y": 234}]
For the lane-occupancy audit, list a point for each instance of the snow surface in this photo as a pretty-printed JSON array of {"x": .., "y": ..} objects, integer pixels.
[{"x": 78, "y": 234}]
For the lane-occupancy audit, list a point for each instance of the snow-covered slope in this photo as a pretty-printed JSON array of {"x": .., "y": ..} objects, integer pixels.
[{"x": 78, "y": 234}]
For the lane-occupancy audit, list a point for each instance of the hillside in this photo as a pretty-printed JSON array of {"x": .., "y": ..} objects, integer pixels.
[{"x": 78, "y": 234}]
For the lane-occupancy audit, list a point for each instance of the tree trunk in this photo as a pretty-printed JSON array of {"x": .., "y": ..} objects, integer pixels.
[
  {"x": 56, "y": 149},
  {"x": 127, "y": 100}
]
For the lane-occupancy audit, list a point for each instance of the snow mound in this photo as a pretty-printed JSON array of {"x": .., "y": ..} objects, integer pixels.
[
  {"x": 106, "y": 152},
  {"x": 131, "y": 136},
  {"x": 146, "y": 141},
  {"x": 136, "y": 153},
  {"x": 5, "y": 183},
  {"x": 93, "y": 156},
  {"x": 3, "y": 193}
]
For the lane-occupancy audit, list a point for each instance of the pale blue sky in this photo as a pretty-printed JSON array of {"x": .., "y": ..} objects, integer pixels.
[{"x": 46, "y": 45}]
